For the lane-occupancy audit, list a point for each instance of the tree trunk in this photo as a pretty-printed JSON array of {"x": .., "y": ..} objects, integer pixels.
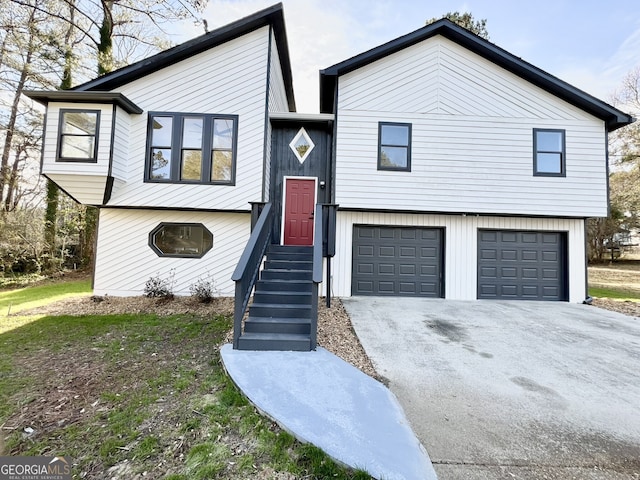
[
  {"x": 88, "y": 236},
  {"x": 50, "y": 222},
  {"x": 11, "y": 199},
  {"x": 105, "y": 47},
  {"x": 13, "y": 115},
  {"x": 105, "y": 65},
  {"x": 53, "y": 192}
]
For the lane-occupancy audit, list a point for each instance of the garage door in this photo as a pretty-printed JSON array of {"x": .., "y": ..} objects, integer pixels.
[
  {"x": 401, "y": 261},
  {"x": 522, "y": 265}
]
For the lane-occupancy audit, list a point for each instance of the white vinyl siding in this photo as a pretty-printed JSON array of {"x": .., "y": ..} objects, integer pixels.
[
  {"x": 86, "y": 189},
  {"x": 229, "y": 79},
  {"x": 472, "y": 145},
  {"x": 123, "y": 246},
  {"x": 460, "y": 249},
  {"x": 277, "y": 92},
  {"x": 266, "y": 180},
  {"x": 120, "y": 145},
  {"x": 49, "y": 163},
  {"x": 277, "y": 103}
]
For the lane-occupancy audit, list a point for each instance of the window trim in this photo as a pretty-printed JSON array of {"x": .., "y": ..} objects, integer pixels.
[
  {"x": 96, "y": 136},
  {"x": 563, "y": 162},
  {"x": 408, "y": 147},
  {"x": 162, "y": 225},
  {"x": 175, "y": 172}
]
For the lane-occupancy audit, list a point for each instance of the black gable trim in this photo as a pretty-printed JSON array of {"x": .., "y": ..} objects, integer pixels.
[
  {"x": 46, "y": 96},
  {"x": 613, "y": 117},
  {"x": 273, "y": 15}
]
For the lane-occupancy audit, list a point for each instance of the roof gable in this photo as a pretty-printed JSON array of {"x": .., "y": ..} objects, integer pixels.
[
  {"x": 272, "y": 16},
  {"x": 613, "y": 117}
]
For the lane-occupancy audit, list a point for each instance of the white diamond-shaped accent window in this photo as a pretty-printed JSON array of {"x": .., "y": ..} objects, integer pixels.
[{"x": 301, "y": 145}]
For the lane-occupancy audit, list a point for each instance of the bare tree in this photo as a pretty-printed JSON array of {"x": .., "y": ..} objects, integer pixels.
[
  {"x": 624, "y": 181},
  {"x": 50, "y": 44},
  {"x": 25, "y": 61}
]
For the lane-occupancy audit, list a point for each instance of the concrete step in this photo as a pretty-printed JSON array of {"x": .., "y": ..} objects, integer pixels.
[
  {"x": 277, "y": 325},
  {"x": 274, "y": 341}
]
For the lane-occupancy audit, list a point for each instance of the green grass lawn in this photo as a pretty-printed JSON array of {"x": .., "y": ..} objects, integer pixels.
[
  {"x": 617, "y": 281},
  {"x": 13, "y": 301},
  {"x": 134, "y": 394},
  {"x": 614, "y": 294}
]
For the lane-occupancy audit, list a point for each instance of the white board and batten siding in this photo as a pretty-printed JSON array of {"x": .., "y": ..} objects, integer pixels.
[
  {"x": 125, "y": 261},
  {"x": 460, "y": 248},
  {"x": 472, "y": 138},
  {"x": 228, "y": 79}
]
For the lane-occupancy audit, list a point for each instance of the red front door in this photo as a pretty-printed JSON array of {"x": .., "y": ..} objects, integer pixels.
[{"x": 299, "y": 200}]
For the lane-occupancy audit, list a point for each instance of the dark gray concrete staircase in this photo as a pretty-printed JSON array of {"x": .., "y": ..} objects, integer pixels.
[{"x": 280, "y": 315}]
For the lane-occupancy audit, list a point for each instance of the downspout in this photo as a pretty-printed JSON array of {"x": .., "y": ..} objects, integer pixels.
[{"x": 332, "y": 211}]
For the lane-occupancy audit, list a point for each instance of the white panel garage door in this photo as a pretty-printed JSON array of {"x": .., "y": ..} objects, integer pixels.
[
  {"x": 400, "y": 261},
  {"x": 522, "y": 265}
]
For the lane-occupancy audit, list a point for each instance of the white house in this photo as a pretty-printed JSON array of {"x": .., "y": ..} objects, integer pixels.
[
  {"x": 172, "y": 149},
  {"x": 457, "y": 169}
]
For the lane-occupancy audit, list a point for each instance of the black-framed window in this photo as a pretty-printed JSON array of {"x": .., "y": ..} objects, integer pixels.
[
  {"x": 549, "y": 158},
  {"x": 394, "y": 146},
  {"x": 78, "y": 135},
  {"x": 191, "y": 148},
  {"x": 181, "y": 240}
]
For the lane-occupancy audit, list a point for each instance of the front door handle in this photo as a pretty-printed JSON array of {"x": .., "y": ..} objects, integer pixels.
[{"x": 311, "y": 215}]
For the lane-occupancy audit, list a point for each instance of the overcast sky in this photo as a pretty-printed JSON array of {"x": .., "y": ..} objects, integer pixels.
[{"x": 591, "y": 44}]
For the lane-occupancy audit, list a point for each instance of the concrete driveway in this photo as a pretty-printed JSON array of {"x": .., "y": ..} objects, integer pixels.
[{"x": 500, "y": 390}]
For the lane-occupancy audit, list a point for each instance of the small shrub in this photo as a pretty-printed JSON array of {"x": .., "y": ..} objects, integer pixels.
[
  {"x": 203, "y": 290},
  {"x": 158, "y": 287}
]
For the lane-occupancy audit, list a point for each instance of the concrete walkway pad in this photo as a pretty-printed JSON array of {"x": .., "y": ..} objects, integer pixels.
[{"x": 327, "y": 402}]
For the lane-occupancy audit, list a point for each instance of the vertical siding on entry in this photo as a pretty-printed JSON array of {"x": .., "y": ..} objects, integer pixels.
[
  {"x": 461, "y": 244},
  {"x": 125, "y": 261}
]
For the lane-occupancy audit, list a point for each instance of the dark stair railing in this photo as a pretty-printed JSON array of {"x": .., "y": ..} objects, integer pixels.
[
  {"x": 284, "y": 313},
  {"x": 329, "y": 242},
  {"x": 248, "y": 268},
  {"x": 316, "y": 276}
]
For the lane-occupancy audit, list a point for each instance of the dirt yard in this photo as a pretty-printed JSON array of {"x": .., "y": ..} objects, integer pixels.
[
  {"x": 131, "y": 402},
  {"x": 335, "y": 332},
  {"x": 70, "y": 396}
]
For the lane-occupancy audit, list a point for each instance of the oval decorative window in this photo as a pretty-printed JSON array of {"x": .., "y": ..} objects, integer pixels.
[{"x": 181, "y": 240}]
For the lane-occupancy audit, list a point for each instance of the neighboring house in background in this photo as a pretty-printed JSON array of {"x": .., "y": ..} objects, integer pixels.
[{"x": 460, "y": 170}]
